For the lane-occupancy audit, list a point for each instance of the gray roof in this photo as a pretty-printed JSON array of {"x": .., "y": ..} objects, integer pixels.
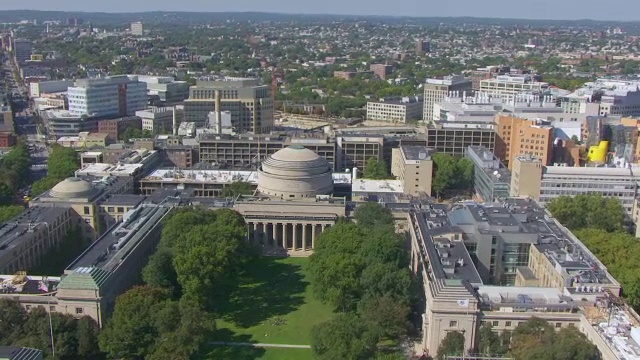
[{"x": 19, "y": 353}]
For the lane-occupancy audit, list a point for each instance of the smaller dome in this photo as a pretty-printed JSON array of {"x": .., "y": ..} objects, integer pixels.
[
  {"x": 72, "y": 188},
  {"x": 295, "y": 153}
]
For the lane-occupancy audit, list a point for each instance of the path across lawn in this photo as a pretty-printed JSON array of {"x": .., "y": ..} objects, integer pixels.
[{"x": 288, "y": 346}]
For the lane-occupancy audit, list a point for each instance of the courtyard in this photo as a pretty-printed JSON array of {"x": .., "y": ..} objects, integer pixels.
[{"x": 273, "y": 305}]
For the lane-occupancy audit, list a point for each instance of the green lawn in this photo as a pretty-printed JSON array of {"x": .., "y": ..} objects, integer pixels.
[{"x": 273, "y": 305}]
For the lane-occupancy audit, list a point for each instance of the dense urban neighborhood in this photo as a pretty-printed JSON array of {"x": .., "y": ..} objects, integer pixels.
[{"x": 182, "y": 185}]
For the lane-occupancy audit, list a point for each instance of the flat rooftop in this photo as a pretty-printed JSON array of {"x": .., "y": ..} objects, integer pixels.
[
  {"x": 111, "y": 169},
  {"x": 114, "y": 246},
  {"x": 180, "y": 176},
  {"x": 377, "y": 186},
  {"x": 21, "y": 228},
  {"x": 28, "y": 285},
  {"x": 417, "y": 152}
]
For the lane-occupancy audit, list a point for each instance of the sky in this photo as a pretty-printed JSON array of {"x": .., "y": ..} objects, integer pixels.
[{"x": 625, "y": 10}]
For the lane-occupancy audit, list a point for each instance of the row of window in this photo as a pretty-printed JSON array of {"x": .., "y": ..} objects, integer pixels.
[{"x": 79, "y": 310}]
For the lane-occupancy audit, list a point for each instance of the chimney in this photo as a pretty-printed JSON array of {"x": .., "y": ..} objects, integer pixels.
[
  {"x": 175, "y": 123},
  {"x": 218, "y": 113}
]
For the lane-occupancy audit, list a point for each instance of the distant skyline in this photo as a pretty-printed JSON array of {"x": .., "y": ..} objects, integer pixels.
[{"x": 623, "y": 10}]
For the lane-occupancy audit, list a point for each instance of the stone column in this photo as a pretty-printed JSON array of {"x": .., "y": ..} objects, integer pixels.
[
  {"x": 313, "y": 236},
  {"x": 269, "y": 232},
  {"x": 295, "y": 236},
  {"x": 304, "y": 237},
  {"x": 255, "y": 232},
  {"x": 284, "y": 235}
]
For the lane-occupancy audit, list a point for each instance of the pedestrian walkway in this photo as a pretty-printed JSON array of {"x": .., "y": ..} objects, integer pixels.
[{"x": 261, "y": 345}]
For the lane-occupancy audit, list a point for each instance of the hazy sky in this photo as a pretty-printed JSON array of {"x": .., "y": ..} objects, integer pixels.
[{"x": 530, "y": 9}]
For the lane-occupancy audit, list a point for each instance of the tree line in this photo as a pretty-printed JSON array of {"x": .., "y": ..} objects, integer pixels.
[
  {"x": 534, "y": 339},
  {"x": 599, "y": 222},
  {"x": 200, "y": 255},
  {"x": 361, "y": 269},
  {"x": 62, "y": 163},
  {"x": 73, "y": 339},
  {"x": 15, "y": 168}
]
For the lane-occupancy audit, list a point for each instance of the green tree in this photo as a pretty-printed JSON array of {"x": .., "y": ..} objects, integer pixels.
[
  {"x": 87, "y": 336},
  {"x": 489, "y": 343},
  {"x": 372, "y": 214},
  {"x": 588, "y": 211},
  {"x": 386, "y": 316},
  {"x": 444, "y": 173},
  {"x": 10, "y": 211},
  {"x": 135, "y": 133},
  {"x": 238, "y": 188},
  {"x": 452, "y": 344},
  {"x": 335, "y": 266},
  {"x": 131, "y": 332},
  {"x": 12, "y": 317},
  {"x": 344, "y": 337},
  {"x": 63, "y": 162},
  {"x": 376, "y": 170},
  {"x": 209, "y": 257},
  {"x": 44, "y": 184},
  {"x": 159, "y": 272}
]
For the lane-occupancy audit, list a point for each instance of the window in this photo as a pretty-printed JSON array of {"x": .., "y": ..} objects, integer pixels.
[
  {"x": 453, "y": 323},
  {"x": 558, "y": 325},
  {"x": 495, "y": 323},
  {"x": 79, "y": 310},
  {"x": 507, "y": 324},
  {"x": 110, "y": 209},
  {"x": 52, "y": 308},
  {"x": 87, "y": 211},
  {"x": 28, "y": 307},
  {"x": 120, "y": 209}
]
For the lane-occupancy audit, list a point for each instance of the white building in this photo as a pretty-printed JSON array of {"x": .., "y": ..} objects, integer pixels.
[
  {"x": 37, "y": 89},
  {"x": 159, "y": 120},
  {"x": 436, "y": 89},
  {"x": 395, "y": 110},
  {"x": 608, "y": 96},
  {"x": 111, "y": 96},
  {"x": 512, "y": 85},
  {"x": 166, "y": 88},
  {"x": 137, "y": 28}
]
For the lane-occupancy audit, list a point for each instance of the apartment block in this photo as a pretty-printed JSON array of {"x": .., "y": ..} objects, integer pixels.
[
  {"x": 436, "y": 89},
  {"x": 525, "y": 177},
  {"x": 395, "y": 110},
  {"x": 381, "y": 70},
  {"x": 413, "y": 166},
  {"x": 518, "y": 136},
  {"x": 137, "y": 28},
  {"x": 249, "y": 103}
]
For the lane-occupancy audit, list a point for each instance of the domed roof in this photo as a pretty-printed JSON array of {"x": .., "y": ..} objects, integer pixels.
[
  {"x": 295, "y": 153},
  {"x": 72, "y": 188}
]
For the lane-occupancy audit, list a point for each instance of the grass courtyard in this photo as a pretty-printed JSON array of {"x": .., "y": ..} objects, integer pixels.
[{"x": 273, "y": 305}]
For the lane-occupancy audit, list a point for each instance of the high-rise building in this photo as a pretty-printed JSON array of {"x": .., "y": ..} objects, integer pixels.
[
  {"x": 108, "y": 97},
  {"x": 436, "y": 89},
  {"x": 517, "y": 136},
  {"x": 250, "y": 104},
  {"x": 423, "y": 46},
  {"x": 454, "y": 138},
  {"x": 525, "y": 177},
  {"x": 137, "y": 28},
  {"x": 22, "y": 49}
]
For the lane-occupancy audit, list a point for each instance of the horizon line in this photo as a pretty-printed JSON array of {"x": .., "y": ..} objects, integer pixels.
[{"x": 314, "y": 14}]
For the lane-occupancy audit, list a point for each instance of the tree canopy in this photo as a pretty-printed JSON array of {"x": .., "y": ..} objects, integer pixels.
[
  {"x": 537, "y": 339},
  {"x": 451, "y": 173},
  {"x": 14, "y": 172},
  {"x": 588, "y": 211},
  {"x": 73, "y": 338},
  {"x": 63, "y": 163},
  {"x": 238, "y": 188},
  {"x": 344, "y": 337},
  {"x": 376, "y": 170},
  {"x": 361, "y": 270},
  {"x": 452, "y": 344}
]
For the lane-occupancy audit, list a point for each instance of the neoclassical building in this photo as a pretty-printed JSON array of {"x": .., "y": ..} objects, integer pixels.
[{"x": 293, "y": 204}]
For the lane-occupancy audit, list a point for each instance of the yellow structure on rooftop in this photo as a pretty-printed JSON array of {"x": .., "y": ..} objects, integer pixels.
[{"x": 598, "y": 153}]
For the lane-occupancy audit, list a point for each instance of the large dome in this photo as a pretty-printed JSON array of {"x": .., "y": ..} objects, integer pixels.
[
  {"x": 295, "y": 172},
  {"x": 72, "y": 188}
]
